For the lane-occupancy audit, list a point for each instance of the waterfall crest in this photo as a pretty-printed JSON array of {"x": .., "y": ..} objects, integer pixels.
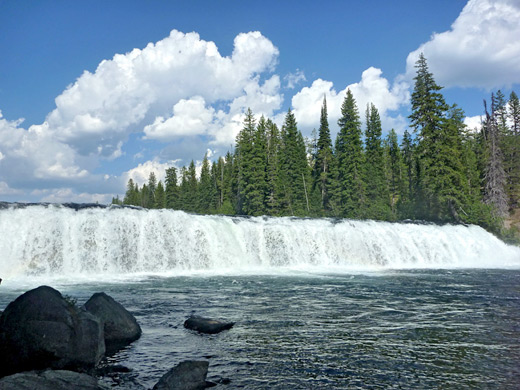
[{"x": 49, "y": 240}]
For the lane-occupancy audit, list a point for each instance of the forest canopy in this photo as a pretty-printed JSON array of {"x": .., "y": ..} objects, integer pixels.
[{"x": 440, "y": 171}]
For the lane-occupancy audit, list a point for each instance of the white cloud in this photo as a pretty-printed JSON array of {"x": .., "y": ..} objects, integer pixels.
[
  {"x": 190, "y": 117},
  {"x": 473, "y": 122},
  {"x": 6, "y": 190},
  {"x": 373, "y": 88},
  {"x": 33, "y": 154},
  {"x": 63, "y": 195},
  {"x": 96, "y": 114},
  {"x": 141, "y": 173},
  {"x": 293, "y": 79},
  {"x": 482, "y": 48}
]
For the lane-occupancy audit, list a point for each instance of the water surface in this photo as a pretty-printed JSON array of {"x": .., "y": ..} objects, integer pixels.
[{"x": 434, "y": 329}]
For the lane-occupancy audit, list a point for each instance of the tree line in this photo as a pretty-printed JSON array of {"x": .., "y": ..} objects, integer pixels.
[{"x": 441, "y": 171}]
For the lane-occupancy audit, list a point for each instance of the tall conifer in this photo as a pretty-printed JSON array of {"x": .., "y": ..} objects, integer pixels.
[
  {"x": 323, "y": 166},
  {"x": 349, "y": 194},
  {"x": 172, "y": 189},
  {"x": 377, "y": 192}
]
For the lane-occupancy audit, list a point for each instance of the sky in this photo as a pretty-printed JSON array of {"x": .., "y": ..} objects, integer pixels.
[{"x": 93, "y": 93}]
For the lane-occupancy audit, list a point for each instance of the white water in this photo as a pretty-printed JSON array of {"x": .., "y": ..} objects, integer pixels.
[{"x": 55, "y": 241}]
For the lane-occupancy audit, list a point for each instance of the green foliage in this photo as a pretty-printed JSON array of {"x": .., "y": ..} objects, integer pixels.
[
  {"x": 445, "y": 173},
  {"x": 172, "y": 189},
  {"x": 349, "y": 192},
  {"x": 160, "y": 196},
  {"x": 116, "y": 200},
  {"x": 324, "y": 161},
  {"x": 377, "y": 191},
  {"x": 206, "y": 189},
  {"x": 396, "y": 173},
  {"x": 294, "y": 169},
  {"x": 152, "y": 186},
  {"x": 442, "y": 191}
]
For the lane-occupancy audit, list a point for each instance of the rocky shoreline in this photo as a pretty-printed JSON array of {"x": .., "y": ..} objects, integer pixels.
[{"x": 48, "y": 342}]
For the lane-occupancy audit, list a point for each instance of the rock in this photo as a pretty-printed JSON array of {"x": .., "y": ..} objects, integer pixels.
[
  {"x": 40, "y": 329},
  {"x": 188, "y": 375},
  {"x": 120, "y": 326},
  {"x": 49, "y": 380},
  {"x": 207, "y": 325}
]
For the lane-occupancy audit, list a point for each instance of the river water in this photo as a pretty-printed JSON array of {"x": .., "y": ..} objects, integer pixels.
[
  {"x": 428, "y": 329},
  {"x": 318, "y": 304}
]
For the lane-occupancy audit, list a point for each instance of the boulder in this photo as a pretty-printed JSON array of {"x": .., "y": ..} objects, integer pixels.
[
  {"x": 120, "y": 326},
  {"x": 188, "y": 375},
  {"x": 40, "y": 329},
  {"x": 207, "y": 325},
  {"x": 49, "y": 380}
]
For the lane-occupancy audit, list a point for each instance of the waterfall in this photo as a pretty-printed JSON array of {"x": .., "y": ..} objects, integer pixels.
[{"x": 40, "y": 240}]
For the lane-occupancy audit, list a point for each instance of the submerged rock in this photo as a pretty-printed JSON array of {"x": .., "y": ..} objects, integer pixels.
[
  {"x": 40, "y": 329},
  {"x": 188, "y": 375},
  {"x": 49, "y": 380},
  {"x": 120, "y": 326},
  {"x": 207, "y": 325}
]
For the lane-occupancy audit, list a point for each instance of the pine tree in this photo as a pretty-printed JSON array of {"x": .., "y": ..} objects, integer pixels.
[
  {"x": 217, "y": 172},
  {"x": 397, "y": 177},
  {"x": 495, "y": 176},
  {"x": 442, "y": 191},
  {"x": 206, "y": 189},
  {"x": 323, "y": 165},
  {"x": 244, "y": 155},
  {"x": 116, "y": 200},
  {"x": 144, "y": 197},
  {"x": 160, "y": 196},
  {"x": 406, "y": 204},
  {"x": 172, "y": 189},
  {"x": 295, "y": 171},
  {"x": 132, "y": 194},
  {"x": 349, "y": 194},
  {"x": 273, "y": 176},
  {"x": 188, "y": 196},
  {"x": 228, "y": 198},
  {"x": 377, "y": 191},
  {"x": 152, "y": 185},
  {"x": 514, "y": 136}
]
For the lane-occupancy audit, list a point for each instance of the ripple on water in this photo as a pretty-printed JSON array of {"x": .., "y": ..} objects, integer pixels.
[{"x": 411, "y": 329}]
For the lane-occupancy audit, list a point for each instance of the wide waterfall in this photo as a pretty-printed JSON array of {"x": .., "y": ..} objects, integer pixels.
[{"x": 50, "y": 240}]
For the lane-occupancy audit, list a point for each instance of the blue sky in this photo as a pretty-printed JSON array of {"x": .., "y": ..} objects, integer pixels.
[{"x": 112, "y": 90}]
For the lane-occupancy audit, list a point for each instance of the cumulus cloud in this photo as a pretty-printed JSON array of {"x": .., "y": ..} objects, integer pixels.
[
  {"x": 482, "y": 48},
  {"x": 141, "y": 173},
  {"x": 190, "y": 117},
  {"x": 473, "y": 122},
  {"x": 96, "y": 114},
  {"x": 372, "y": 88},
  {"x": 33, "y": 154},
  {"x": 178, "y": 87},
  {"x": 63, "y": 195}
]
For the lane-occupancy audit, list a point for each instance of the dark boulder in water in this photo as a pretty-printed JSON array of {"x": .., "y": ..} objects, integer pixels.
[
  {"x": 207, "y": 325},
  {"x": 120, "y": 326},
  {"x": 188, "y": 375},
  {"x": 49, "y": 380},
  {"x": 40, "y": 329}
]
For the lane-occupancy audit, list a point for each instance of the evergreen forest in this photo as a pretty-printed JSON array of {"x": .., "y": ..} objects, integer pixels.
[{"x": 440, "y": 171}]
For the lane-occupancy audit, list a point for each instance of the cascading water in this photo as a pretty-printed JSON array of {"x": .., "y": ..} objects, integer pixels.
[{"x": 53, "y": 240}]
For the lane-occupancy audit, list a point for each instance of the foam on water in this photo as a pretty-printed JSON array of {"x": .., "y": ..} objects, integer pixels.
[{"x": 121, "y": 243}]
